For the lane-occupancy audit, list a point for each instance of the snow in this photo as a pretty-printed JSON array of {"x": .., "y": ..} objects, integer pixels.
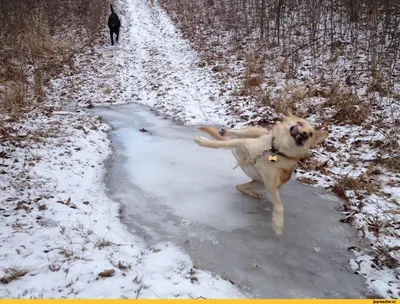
[
  {"x": 58, "y": 223},
  {"x": 59, "y": 229},
  {"x": 66, "y": 231}
]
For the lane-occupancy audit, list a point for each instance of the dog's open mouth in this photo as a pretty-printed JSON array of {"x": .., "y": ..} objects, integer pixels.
[{"x": 299, "y": 137}]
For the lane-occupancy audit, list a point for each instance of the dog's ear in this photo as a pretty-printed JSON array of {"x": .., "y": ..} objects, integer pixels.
[
  {"x": 320, "y": 136},
  {"x": 290, "y": 114}
]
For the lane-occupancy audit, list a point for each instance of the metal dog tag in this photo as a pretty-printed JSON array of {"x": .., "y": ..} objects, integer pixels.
[{"x": 273, "y": 158}]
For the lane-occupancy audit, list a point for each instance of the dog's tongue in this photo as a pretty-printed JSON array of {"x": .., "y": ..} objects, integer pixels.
[{"x": 294, "y": 130}]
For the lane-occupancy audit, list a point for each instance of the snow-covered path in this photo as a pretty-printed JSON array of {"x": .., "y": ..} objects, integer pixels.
[{"x": 151, "y": 65}]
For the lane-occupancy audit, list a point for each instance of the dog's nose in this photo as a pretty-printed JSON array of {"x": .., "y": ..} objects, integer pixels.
[{"x": 304, "y": 135}]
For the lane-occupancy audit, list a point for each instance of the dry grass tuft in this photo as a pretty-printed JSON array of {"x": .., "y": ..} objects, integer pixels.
[
  {"x": 252, "y": 81},
  {"x": 104, "y": 243},
  {"x": 13, "y": 274},
  {"x": 364, "y": 183},
  {"x": 254, "y": 75},
  {"x": 39, "y": 42},
  {"x": 392, "y": 163},
  {"x": 292, "y": 98},
  {"x": 349, "y": 108}
]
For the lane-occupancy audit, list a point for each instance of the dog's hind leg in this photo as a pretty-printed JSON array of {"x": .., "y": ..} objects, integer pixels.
[
  {"x": 250, "y": 188},
  {"x": 117, "y": 34},
  {"x": 272, "y": 185},
  {"x": 111, "y": 36},
  {"x": 278, "y": 212}
]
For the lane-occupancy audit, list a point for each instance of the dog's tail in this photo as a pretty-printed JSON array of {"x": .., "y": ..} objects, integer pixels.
[
  {"x": 220, "y": 134},
  {"x": 112, "y": 10}
]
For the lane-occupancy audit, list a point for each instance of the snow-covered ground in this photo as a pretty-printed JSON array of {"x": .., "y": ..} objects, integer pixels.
[
  {"x": 360, "y": 160},
  {"x": 60, "y": 234},
  {"x": 59, "y": 229}
]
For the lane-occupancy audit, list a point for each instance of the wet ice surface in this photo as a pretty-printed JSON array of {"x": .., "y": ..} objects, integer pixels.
[{"x": 171, "y": 189}]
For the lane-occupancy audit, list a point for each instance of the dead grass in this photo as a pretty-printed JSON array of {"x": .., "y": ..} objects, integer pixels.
[
  {"x": 284, "y": 105},
  {"x": 378, "y": 84},
  {"x": 218, "y": 68},
  {"x": 307, "y": 180},
  {"x": 46, "y": 30},
  {"x": 254, "y": 74},
  {"x": 103, "y": 244},
  {"x": 291, "y": 99},
  {"x": 392, "y": 163},
  {"x": 384, "y": 257},
  {"x": 348, "y": 106},
  {"x": 364, "y": 183},
  {"x": 123, "y": 266},
  {"x": 251, "y": 82},
  {"x": 67, "y": 253},
  {"x": 14, "y": 97},
  {"x": 192, "y": 275},
  {"x": 13, "y": 274}
]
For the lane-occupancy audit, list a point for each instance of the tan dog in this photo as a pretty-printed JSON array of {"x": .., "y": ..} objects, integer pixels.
[{"x": 268, "y": 157}]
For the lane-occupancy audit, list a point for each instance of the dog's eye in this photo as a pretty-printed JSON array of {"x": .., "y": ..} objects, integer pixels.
[
  {"x": 299, "y": 123},
  {"x": 311, "y": 134}
]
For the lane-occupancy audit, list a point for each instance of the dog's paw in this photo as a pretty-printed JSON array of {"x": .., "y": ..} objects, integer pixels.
[
  {"x": 201, "y": 140},
  {"x": 251, "y": 193},
  {"x": 257, "y": 195},
  {"x": 222, "y": 132},
  {"x": 277, "y": 223}
]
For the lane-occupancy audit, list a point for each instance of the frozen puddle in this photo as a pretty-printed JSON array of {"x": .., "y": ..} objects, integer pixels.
[{"x": 171, "y": 189}]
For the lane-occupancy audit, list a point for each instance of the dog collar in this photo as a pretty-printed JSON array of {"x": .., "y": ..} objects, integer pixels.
[{"x": 274, "y": 152}]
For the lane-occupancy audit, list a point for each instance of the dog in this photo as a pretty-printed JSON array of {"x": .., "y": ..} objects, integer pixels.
[
  {"x": 114, "y": 24},
  {"x": 268, "y": 157}
]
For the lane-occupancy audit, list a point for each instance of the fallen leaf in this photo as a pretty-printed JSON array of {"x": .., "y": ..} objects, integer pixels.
[
  {"x": 107, "y": 273},
  {"x": 330, "y": 148},
  {"x": 42, "y": 207}
]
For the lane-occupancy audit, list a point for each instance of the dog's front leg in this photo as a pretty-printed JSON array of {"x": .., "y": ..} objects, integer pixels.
[
  {"x": 216, "y": 144},
  {"x": 251, "y": 132}
]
